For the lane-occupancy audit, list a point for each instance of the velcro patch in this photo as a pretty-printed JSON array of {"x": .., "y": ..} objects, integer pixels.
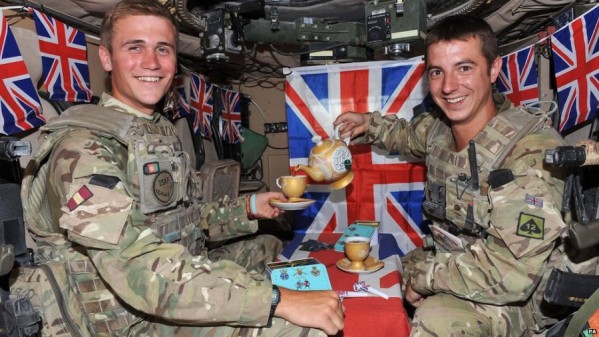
[
  {"x": 531, "y": 226},
  {"x": 78, "y": 198}
]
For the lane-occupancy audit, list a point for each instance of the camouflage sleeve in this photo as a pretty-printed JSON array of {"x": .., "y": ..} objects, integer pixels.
[
  {"x": 157, "y": 278},
  {"x": 525, "y": 223},
  {"x": 395, "y": 134},
  {"x": 226, "y": 218}
]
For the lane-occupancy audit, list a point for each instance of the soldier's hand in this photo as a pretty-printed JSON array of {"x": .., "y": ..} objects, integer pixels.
[
  {"x": 263, "y": 207},
  {"x": 314, "y": 309},
  {"x": 412, "y": 297},
  {"x": 352, "y": 124}
]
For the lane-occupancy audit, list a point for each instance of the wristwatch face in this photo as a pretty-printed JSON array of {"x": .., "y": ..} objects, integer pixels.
[{"x": 276, "y": 295}]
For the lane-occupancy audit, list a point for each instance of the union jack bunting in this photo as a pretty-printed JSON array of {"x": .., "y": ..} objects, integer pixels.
[
  {"x": 64, "y": 59},
  {"x": 386, "y": 187},
  {"x": 230, "y": 117},
  {"x": 177, "y": 105},
  {"x": 518, "y": 78},
  {"x": 201, "y": 102},
  {"x": 19, "y": 103},
  {"x": 576, "y": 63}
]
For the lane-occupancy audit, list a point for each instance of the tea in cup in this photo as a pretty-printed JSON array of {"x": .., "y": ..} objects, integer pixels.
[
  {"x": 292, "y": 186},
  {"x": 357, "y": 249}
]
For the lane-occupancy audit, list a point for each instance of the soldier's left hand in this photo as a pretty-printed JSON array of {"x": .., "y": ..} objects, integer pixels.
[{"x": 263, "y": 207}]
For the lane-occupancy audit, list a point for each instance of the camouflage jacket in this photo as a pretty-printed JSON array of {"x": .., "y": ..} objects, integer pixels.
[
  {"x": 96, "y": 203},
  {"x": 508, "y": 263}
]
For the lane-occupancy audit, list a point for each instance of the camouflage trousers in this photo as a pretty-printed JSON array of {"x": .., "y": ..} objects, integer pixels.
[
  {"x": 253, "y": 254},
  {"x": 466, "y": 318},
  {"x": 462, "y": 317}
]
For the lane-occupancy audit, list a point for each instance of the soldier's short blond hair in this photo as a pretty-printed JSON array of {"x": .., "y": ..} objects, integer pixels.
[{"x": 133, "y": 7}]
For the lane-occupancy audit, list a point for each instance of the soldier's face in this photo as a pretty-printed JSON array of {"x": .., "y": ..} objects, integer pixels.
[
  {"x": 460, "y": 80},
  {"x": 143, "y": 60}
]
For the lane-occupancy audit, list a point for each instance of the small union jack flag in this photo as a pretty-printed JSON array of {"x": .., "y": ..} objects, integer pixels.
[
  {"x": 201, "y": 103},
  {"x": 518, "y": 78},
  {"x": 19, "y": 102},
  {"x": 387, "y": 188},
  {"x": 576, "y": 62},
  {"x": 231, "y": 117},
  {"x": 64, "y": 59},
  {"x": 177, "y": 106}
]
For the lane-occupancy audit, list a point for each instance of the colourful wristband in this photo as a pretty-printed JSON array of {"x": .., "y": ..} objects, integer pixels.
[
  {"x": 248, "y": 208},
  {"x": 253, "y": 204}
]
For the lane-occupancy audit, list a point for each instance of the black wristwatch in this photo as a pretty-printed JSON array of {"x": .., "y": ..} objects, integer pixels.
[{"x": 276, "y": 298}]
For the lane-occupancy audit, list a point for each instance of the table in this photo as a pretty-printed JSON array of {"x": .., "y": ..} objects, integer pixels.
[{"x": 364, "y": 316}]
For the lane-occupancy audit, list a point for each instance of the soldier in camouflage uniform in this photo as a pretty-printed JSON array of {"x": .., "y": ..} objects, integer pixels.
[
  {"x": 112, "y": 195},
  {"x": 497, "y": 229}
]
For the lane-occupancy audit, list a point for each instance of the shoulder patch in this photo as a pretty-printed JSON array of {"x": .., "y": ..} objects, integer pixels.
[
  {"x": 531, "y": 226},
  {"x": 79, "y": 197}
]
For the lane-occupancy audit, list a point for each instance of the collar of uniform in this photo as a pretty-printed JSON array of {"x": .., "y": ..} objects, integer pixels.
[
  {"x": 501, "y": 102},
  {"x": 108, "y": 101}
]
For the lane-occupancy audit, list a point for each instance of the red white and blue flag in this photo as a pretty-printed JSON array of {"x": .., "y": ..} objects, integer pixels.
[
  {"x": 518, "y": 78},
  {"x": 201, "y": 103},
  {"x": 19, "y": 102},
  {"x": 576, "y": 62},
  {"x": 386, "y": 187},
  {"x": 180, "y": 105},
  {"x": 230, "y": 118},
  {"x": 64, "y": 59}
]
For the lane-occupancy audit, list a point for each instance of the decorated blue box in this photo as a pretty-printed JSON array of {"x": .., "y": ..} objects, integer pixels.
[
  {"x": 364, "y": 228},
  {"x": 302, "y": 274}
]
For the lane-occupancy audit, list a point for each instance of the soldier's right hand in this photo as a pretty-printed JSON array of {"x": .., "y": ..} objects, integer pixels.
[
  {"x": 314, "y": 309},
  {"x": 352, "y": 124}
]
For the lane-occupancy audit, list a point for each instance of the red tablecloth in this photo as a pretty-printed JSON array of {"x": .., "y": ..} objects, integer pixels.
[{"x": 364, "y": 316}]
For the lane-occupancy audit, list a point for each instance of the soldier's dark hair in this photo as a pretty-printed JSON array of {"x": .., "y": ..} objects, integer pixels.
[
  {"x": 463, "y": 27},
  {"x": 130, "y": 8}
]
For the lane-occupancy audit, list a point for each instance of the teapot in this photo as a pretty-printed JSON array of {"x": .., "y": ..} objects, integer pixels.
[{"x": 329, "y": 161}]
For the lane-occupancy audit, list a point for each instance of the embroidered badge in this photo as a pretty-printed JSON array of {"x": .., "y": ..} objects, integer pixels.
[
  {"x": 534, "y": 200},
  {"x": 531, "y": 226},
  {"x": 78, "y": 198},
  {"x": 164, "y": 187}
]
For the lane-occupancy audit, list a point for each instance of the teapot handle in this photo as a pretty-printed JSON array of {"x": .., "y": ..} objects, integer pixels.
[{"x": 337, "y": 136}]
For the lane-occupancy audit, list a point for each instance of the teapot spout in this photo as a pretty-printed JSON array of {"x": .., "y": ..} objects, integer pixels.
[{"x": 314, "y": 174}]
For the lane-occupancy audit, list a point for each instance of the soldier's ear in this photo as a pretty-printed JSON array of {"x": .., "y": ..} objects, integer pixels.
[
  {"x": 105, "y": 58},
  {"x": 495, "y": 69}
]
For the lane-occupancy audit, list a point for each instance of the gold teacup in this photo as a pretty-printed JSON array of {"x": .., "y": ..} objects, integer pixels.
[
  {"x": 292, "y": 186},
  {"x": 357, "y": 249}
]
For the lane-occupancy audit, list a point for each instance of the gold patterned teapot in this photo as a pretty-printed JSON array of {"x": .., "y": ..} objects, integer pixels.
[{"x": 329, "y": 161}]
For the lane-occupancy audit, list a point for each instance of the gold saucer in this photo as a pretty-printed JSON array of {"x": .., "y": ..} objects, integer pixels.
[
  {"x": 371, "y": 264},
  {"x": 341, "y": 183}
]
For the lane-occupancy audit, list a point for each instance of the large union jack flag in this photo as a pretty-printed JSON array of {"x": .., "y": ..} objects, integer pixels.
[
  {"x": 518, "y": 78},
  {"x": 64, "y": 59},
  {"x": 201, "y": 103},
  {"x": 387, "y": 188},
  {"x": 231, "y": 117},
  {"x": 576, "y": 63},
  {"x": 19, "y": 102}
]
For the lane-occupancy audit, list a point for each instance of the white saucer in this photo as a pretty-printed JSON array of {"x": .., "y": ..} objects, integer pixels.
[
  {"x": 371, "y": 265},
  {"x": 298, "y": 204}
]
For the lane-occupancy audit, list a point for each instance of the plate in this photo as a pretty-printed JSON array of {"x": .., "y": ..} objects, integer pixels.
[
  {"x": 371, "y": 265},
  {"x": 292, "y": 205}
]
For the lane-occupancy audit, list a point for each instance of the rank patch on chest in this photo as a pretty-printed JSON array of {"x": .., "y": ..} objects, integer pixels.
[
  {"x": 531, "y": 226},
  {"x": 79, "y": 197}
]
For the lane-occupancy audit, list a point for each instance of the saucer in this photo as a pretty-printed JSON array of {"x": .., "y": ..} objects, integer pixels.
[
  {"x": 371, "y": 265},
  {"x": 292, "y": 205}
]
